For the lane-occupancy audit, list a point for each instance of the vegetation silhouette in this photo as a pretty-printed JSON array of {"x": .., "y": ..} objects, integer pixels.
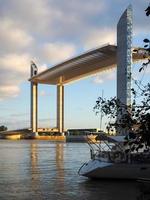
[{"x": 3, "y": 128}]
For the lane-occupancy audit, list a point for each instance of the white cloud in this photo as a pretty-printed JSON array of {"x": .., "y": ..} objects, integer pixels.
[
  {"x": 32, "y": 15},
  {"x": 15, "y": 63},
  {"x": 42, "y": 68},
  {"x": 56, "y": 52},
  {"x": 99, "y": 37},
  {"x": 13, "y": 38},
  {"x": 105, "y": 76},
  {"x": 14, "y": 70},
  {"x": 7, "y": 91}
]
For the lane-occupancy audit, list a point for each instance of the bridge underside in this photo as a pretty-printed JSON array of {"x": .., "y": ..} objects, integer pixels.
[{"x": 87, "y": 64}]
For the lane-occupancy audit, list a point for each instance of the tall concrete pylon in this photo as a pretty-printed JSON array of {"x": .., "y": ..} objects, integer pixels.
[{"x": 124, "y": 58}]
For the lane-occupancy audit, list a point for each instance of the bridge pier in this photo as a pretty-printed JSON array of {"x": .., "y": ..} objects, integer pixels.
[
  {"x": 60, "y": 108},
  {"x": 34, "y": 108},
  {"x": 34, "y": 101}
]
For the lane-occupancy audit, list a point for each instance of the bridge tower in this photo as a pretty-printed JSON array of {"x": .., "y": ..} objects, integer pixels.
[{"x": 124, "y": 59}]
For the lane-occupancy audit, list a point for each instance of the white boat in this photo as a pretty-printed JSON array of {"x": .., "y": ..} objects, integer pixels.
[{"x": 111, "y": 159}]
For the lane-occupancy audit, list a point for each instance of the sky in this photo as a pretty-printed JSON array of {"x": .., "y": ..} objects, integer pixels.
[{"x": 48, "y": 32}]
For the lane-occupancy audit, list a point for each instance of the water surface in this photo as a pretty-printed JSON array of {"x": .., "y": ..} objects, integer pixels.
[{"x": 31, "y": 169}]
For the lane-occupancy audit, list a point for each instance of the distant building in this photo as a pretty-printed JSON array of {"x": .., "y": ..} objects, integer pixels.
[
  {"x": 47, "y": 130},
  {"x": 82, "y": 131}
]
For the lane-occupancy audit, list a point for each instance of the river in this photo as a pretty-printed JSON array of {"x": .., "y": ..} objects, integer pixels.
[{"x": 39, "y": 170}]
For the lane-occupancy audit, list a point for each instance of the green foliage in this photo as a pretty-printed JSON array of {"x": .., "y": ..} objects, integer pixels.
[
  {"x": 135, "y": 119},
  {"x": 147, "y": 54},
  {"x": 3, "y": 128},
  {"x": 147, "y": 10}
]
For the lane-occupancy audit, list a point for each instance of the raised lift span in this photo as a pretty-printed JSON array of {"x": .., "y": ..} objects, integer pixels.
[{"x": 84, "y": 65}]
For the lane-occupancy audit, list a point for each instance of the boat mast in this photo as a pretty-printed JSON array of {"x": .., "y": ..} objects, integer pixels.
[{"x": 101, "y": 116}]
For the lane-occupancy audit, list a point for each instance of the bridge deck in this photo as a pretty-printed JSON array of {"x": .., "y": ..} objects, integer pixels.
[{"x": 78, "y": 67}]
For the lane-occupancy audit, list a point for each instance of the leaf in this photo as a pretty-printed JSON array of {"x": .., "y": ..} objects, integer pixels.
[
  {"x": 135, "y": 50},
  {"x": 140, "y": 69},
  {"x": 133, "y": 148},
  {"x": 147, "y": 11},
  {"x": 146, "y": 40}
]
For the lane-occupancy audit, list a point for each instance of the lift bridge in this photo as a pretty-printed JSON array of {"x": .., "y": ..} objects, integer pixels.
[{"x": 97, "y": 60}]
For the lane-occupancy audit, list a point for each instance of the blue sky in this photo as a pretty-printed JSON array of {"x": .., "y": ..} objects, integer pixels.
[{"x": 48, "y": 32}]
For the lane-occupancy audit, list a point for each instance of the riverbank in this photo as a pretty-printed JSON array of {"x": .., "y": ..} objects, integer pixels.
[{"x": 71, "y": 138}]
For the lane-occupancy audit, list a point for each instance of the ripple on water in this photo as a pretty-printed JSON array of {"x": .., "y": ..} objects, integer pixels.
[{"x": 31, "y": 169}]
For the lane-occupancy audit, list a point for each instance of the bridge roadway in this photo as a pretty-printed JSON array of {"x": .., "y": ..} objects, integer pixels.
[{"x": 86, "y": 64}]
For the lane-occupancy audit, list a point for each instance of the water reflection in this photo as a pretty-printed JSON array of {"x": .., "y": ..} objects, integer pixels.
[
  {"x": 34, "y": 159},
  {"x": 50, "y": 172},
  {"x": 42, "y": 170},
  {"x": 59, "y": 149},
  {"x": 35, "y": 171}
]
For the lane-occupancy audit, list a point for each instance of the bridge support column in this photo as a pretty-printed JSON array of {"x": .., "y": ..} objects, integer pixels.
[
  {"x": 34, "y": 108},
  {"x": 60, "y": 108}
]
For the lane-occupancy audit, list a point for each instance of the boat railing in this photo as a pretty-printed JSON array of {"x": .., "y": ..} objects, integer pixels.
[
  {"x": 122, "y": 157},
  {"x": 110, "y": 156},
  {"x": 116, "y": 152},
  {"x": 101, "y": 148}
]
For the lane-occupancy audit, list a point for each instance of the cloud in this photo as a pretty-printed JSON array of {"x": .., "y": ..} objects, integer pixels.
[
  {"x": 32, "y": 15},
  {"x": 71, "y": 19},
  {"x": 105, "y": 76},
  {"x": 15, "y": 63},
  {"x": 14, "y": 70},
  {"x": 12, "y": 38},
  {"x": 42, "y": 68},
  {"x": 56, "y": 52},
  {"x": 8, "y": 90},
  {"x": 99, "y": 37}
]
